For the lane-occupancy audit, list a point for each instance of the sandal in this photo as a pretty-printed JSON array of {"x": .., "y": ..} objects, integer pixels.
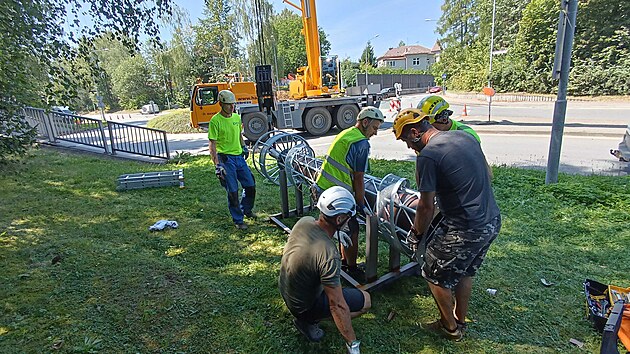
[
  {"x": 311, "y": 331},
  {"x": 438, "y": 328}
]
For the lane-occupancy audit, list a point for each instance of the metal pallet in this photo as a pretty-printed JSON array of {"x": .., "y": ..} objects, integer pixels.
[{"x": 150, "y": 180}]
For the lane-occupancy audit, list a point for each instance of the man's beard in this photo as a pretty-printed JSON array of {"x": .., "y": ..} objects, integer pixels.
[{"x": 417, "y": 146}]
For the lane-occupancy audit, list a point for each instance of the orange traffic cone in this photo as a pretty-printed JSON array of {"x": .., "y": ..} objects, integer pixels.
[{"x": 465, "y": 111}]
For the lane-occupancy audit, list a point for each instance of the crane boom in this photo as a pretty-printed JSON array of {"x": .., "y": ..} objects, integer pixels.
[{"x": 309, "y": 81}]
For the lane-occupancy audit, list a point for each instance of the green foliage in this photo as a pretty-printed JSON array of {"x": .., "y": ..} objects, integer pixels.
[
  {"x": 40, "y": 43},
  {"x": 290, "y": 45},
  {"x": 216, "y": 41},
  {"x": 527, "y": 30},
  {"x": 133, "y": 83},
  {"x": 177, "y": 121},
  {"x": 83, "y": 273},
  {"x": 368, "y": 58},
  {"x": 349, "y": 71}
]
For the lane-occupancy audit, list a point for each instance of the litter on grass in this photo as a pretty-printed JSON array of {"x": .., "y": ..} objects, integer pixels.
[{"x": 162, "y": 224}]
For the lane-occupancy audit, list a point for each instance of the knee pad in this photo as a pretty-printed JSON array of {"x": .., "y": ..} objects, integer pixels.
[
  {"x": 233, "y": 199},
  {"x": 250, "y": 191}
]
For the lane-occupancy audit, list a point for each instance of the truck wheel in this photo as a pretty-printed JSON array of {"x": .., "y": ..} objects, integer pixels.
[
  {"x": 317, "y": 121},
  {"x": 255, "y": 125},
  {"x": 346, "y": 116}
]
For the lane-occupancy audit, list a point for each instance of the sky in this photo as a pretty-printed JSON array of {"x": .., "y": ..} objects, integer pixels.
[{"x": 349, "y": 24}]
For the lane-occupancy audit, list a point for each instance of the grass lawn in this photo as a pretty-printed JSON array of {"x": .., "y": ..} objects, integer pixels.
[
  {"x": 175, "y": 121},
  {"x": 82, "y": 273}
]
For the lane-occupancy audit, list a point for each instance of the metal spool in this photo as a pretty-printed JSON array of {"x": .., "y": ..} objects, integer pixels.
[
  {"x": 270, "y": 152},
  {"x": 301, "y": 165}
]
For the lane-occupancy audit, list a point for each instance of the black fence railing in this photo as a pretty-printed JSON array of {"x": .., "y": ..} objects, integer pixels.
[
  {"x": 138, "y": 140},
  {"x": 110, "y": 136}
]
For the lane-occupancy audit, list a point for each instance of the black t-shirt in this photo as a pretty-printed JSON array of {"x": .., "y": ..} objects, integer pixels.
[{"x": 453, "y": 166}]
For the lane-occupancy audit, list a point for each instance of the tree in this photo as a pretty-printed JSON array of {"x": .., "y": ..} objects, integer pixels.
[
  {"x": 134, "y": 84},
  {"x": 216, "y": 41},
  {"x": 291, "y": 48},
  {"x": 349, "y": 71},
  {"x": 368, "y": 58},
  {"x": 401, "y": 44},
  {"x": 36, "y": 53}
]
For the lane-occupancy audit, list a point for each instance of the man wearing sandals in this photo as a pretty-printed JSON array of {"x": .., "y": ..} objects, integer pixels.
[
  {"x": 453, "y": 171},
  {"x": 310, "y": 281}
]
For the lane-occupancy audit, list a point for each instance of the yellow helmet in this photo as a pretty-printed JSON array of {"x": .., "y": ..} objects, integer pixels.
[
  {"x": 408, "y": 116},
  {"x": 433, "y": 105}
]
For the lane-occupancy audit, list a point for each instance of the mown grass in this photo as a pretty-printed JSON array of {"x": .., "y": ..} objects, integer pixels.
[
  {"x": 176, "y": 121},
  {"x": 82, "y": 273}
]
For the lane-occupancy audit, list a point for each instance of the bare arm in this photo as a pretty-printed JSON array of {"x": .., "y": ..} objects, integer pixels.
[
  {"x": 340, "y": 312},
  {"x": 424, "y": 212},
  {"x": 212, "y": 146},
  {"x": 358, "y": 185}
]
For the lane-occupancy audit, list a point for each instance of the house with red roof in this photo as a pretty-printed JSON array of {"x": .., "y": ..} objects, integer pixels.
[{"x": 410, "y": 57}]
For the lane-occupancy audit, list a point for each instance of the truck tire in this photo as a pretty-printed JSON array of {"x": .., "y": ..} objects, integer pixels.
[
  {"x": 317, "y": 121},
  {"x": 254, "y": 125},
  {"x": 346, "y": 116}
]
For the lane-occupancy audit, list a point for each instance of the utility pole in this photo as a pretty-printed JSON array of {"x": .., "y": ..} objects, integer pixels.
[{"x": 562, "y": 63}]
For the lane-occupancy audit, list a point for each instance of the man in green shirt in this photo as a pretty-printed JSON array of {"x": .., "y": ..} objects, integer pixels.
[
  {"x": 437, "y": 108},
  {"x": 310, "y": 281},
  {"x": 228, "y": 152}
]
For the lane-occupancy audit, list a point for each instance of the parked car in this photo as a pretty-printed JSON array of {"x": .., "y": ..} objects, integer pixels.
[
  {"x": 62, "y": 109},
  {"x": 150, "y": 108},
  {"x": 388, "y": 92},
  {"x": 434, "y": 89}
]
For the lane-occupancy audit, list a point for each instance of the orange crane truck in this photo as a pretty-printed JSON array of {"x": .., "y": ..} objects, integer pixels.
[{"x": 312, "y": 106}]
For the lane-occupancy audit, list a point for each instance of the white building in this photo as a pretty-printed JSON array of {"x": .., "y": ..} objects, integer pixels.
[{"x": 410, "y": 57}]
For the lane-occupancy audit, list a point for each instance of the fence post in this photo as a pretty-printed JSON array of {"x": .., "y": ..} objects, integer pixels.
[
  {"x": 100, "y": 128},
  {"x": 168, "y": 152},
  {"x": 111, "y": 137},
  {"x": 52, "y": 137}
]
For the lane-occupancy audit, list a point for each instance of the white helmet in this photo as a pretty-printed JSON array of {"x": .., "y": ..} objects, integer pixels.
[
  {"x": 226, "y": 96},
  {"x": 335, "y": 201},
  {"x": 371, "y": 113}
]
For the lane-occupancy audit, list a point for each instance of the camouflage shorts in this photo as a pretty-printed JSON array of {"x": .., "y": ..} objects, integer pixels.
[{"x": 453, "y": 254}]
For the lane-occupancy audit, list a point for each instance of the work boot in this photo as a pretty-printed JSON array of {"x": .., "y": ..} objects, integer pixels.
[
  {"x": 357, "y": 272},
  {"x": 241, "y": 226},
  {"x": 311, "y": 331},
  {"x": 251, "y": 215}
]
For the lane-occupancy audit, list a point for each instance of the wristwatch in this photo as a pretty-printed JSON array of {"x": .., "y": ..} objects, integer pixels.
[{"x": 353, "y": 347}]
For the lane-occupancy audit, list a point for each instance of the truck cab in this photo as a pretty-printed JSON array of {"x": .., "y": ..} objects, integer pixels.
[{"x": 204, "y": 103}]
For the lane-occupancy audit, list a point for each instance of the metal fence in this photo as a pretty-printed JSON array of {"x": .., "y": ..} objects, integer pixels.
[
  {"x": 118, "y": 137},
  {"x": 408, "y": 81},
  {"x": 138, "y": 140}
]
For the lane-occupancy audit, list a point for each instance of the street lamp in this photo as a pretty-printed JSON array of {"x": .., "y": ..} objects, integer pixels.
[
  {"x": 494, "y": 7},
  {"x": 366, "y": 61}
]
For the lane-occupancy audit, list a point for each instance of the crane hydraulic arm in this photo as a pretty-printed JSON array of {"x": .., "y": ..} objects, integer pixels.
[{"x": 309, "y": 80}]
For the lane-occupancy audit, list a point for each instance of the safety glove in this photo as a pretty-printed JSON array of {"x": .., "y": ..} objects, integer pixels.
[
  {"x": 353, "y": 347},
  {"x": 245, "y": 153},
  {"x": 413, "y": 239},
  {"x": 364, "y": 210},
  {"x": 219, "y": 171}
]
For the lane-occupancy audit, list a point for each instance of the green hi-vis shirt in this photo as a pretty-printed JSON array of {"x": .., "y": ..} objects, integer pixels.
[
  {"x": 227, "y": 133},
  {"x": 310, "y": 261},
  {"x": 463, "y": 127}
]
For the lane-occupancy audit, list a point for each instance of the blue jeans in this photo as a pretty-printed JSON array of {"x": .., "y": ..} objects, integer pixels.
[{"x": 236, "y": 170}]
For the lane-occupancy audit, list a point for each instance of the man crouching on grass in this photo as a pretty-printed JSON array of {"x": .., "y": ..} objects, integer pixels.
[{"x": 310, "y": 282}]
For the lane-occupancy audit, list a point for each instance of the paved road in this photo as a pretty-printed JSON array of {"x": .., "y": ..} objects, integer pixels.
[{"x": 518, "y": 134}]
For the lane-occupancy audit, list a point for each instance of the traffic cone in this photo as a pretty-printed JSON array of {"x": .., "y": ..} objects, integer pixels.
[{"x": 465, "y": 111}]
